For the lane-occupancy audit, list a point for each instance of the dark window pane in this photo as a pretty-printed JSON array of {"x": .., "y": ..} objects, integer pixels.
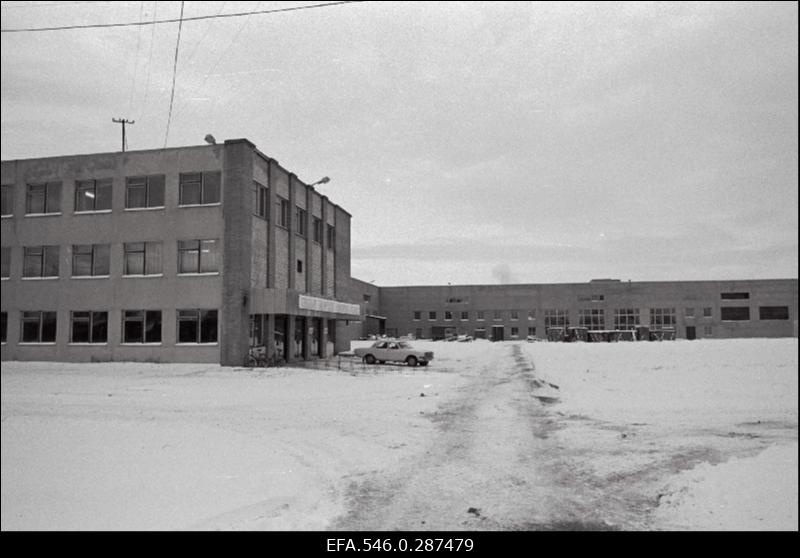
[
  {"x": 99, "y": 327},
  {"x": 50, "y": 261},
  {"x": 136, "y": 193},
  {"x": 85, "y": 196},
  {"x": 32, "y": 265},
  {"x": 208, "y": 256},
  {"x": 155, "y": 194},
  {"x": 81, "y": 260},
  {"x": 134, "y": 263},
  {"x": 35, "y": 199},
  {"x": 53, "y": 204},
  {"x": 190, "y": 193},
  {"x": 773, "y": 312},
  {"x": 211, "y": 187},
  {"x": 3, "y": 326},
  {"x": 153, "y": 258},
  {"x": 734, "y": 296},
  {"x": 103, "y": 193},
  {"x": 735, "y": 313},
  {"x": 48, "y": 327},
  {"x": 188, "y": 322},
  {"x": 208, "y": 326},
  {"x": 30, "y": 327},
  {"x": 133, "y": 327},
  {"x": 153, "y": 332},
  {"x": 80, "y": 327},
  {"x": 101, "y": 259}
]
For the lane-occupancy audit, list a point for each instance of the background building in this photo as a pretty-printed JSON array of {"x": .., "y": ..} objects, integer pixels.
[
  {"x": 692, "y": 309},
  {"x": 186, "y": 254}
]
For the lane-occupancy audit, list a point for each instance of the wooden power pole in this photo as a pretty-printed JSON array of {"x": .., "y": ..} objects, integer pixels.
[{"x": 123, "y": 122}]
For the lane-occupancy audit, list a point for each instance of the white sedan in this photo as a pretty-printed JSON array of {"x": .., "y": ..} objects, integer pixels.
[{"x": 395, "y": 351}]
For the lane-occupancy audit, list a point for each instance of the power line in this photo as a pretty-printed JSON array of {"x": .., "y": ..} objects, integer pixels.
[
  {"x": 136, "y": 57},
  {"x": 150, "y": 58},
  {"x": 174, "y": 73},
  {"x": 196, "y": 18}
]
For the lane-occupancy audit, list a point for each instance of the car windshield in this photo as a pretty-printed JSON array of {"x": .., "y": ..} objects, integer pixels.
[{"x": 404, "y": 345}]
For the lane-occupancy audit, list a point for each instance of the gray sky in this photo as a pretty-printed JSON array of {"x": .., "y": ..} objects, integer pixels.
[{"x": 472, "y": 142}]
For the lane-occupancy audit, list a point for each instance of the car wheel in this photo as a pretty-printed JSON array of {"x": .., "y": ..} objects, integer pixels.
[
  {"x": 369, "y": 359},
  {"x": 412, "y": 361}
]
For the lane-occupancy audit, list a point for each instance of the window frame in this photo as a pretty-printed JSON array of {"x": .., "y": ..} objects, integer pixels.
[
  {"x": 196, "y": 316},
  {"x": 149, "y": 184},
  {"x": 92, "y": 320},
  {"x": 93, "y": 260},
  {"x": 96, "y": 185},
  {"x": 51, "y": 197},
  {"x": 7, "y": 194},
  {"x": 40, "y": 326},
  {"x": 43, "y": 260},
  {"x": 301, "y": 216},
  {"x": 198, "y": 250},
  {"x": 201, "y": 180},
  {"x": 146, "y": 322},
  {"x": 127, "y": 251}
]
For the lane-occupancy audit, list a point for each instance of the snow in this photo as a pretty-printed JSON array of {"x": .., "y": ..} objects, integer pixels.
[{"x": 705, "y": 430}]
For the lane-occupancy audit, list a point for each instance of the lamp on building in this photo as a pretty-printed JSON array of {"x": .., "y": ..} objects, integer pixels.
[{"x": 323, "y": 180}]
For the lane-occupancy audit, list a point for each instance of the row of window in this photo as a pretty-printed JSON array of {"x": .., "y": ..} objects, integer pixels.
[
  {"x": 195, "y": 188},
  {"x": 261, "y": 209},
  {"x": 93, "y": 260},
  {"x": 601, "y": 297},
  {"x": 624, "y": 318},
  {"x": 91, "y": 327}
]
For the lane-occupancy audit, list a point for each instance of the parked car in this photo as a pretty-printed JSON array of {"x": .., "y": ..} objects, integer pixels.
[{"x": 385, "y": 350}]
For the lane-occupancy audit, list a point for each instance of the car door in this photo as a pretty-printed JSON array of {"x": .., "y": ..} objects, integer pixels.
[
  {"x": 393, "y": 352},
  {"x": 380, "y": 350}
]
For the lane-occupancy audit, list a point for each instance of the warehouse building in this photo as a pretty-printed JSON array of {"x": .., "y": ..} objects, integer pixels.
[
  {"x": 188, "y": 254},
  {"x": 681, "y": 309}
]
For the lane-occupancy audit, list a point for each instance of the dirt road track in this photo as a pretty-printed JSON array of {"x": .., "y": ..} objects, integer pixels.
[{"x": 493, "y": 465}]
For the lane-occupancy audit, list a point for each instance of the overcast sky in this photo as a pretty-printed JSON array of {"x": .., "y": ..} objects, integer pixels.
[{"x": 472, "y": 142}]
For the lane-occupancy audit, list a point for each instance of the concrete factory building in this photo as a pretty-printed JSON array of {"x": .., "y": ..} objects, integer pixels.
[{"x": 187, "y": 254}]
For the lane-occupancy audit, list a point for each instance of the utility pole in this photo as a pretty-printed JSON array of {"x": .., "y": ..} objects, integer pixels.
[{"x": 123, "y": 122}]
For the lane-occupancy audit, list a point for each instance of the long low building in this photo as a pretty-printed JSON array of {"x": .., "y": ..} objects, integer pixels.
[
  {"x": 190, "y": 254},
  {"x": 688, "y": 309}
]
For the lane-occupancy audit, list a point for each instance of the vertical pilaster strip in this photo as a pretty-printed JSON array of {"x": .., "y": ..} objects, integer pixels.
[{"x": 237, "y": 178}]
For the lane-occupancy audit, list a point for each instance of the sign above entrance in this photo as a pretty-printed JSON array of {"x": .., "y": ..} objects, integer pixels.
[{"x": 306, "y": 302}]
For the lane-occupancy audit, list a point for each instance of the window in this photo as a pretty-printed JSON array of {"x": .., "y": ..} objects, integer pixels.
[
  {"x": 299, "y": 266},
  {"x": 591, "y": 298},
  {"x": 142, "y": 258},
  {"x": 514, "y": 315},
  {"x": 93, "y": 195},
  {"x": 734, "y": 296},
  {"x": 626, "y": 318},
  {"x": 514, "y": 332},
  {"x": 197, "y": 256},
  {"x": 7, "y": 201},
  {"x": 43, "y": 198},
  {"x": 258, "y": 333},
  {"x": 38, "y": 327},
  {"x": 531, "y": 315},
  {"x": 199, "y": 188},
  {"x": 144, "y": 191},
  {"x": 300, "y": 216},
  {"x": 317, "y": 230},
  {"x": 708, "y": 331},
  {"x": 532, "y": 331},
  {"x": 773, "y": 312},
  {"x": 417, "y": 315},
  {"x": 455, "y": 300},
  {"x": 283, "y": 219},
  {"x": 367, "y": 298},
  {"x": 688, "y": 312},
  {"x": 464, "y": 316},
  {"x": 90, "y": 260},
  {"x": 662, "y": 318},
  {"x": 40, "y": 261},
  {"x": 448, "y": 315},
  {"x": 707, "y": 312},
  {"x": 5, "y": 262},
  {"x": 260, "y": 200},
  {"x": 197, "y": 326},
  {"x": 555, "y": 317},
  {"x": 498, "y": 315},
  {"x": 89, "y": 327},
  {"x": 592, "y": 318},
  {"x": 735, "y": 313},
  {"x": 431, "y": 316},
  {"x": 141, "y": 326},
  {"x": 479, "y": 315},
  {"x": 3, "y": 327},
  {"x": 331, "y": 237}
]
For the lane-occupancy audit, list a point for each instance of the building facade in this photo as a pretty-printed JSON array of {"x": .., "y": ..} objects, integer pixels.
[
  {"x": 189, "y": 254},
  {"x": 691, "y": 309}
]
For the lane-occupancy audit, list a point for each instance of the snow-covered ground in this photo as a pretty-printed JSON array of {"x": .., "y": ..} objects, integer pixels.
[{"x": 705, "y": 429}]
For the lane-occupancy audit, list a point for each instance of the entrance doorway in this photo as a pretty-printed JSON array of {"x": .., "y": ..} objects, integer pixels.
[
  {"x": 498, "y": 333},
  {"x": 691, "y": 332}
]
